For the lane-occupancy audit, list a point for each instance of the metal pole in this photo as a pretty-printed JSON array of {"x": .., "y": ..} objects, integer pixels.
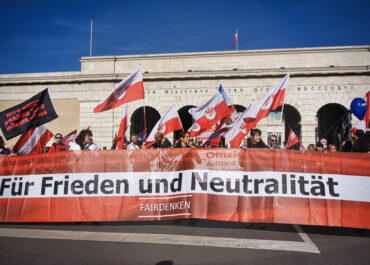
[{"x": 91, "y": 32}]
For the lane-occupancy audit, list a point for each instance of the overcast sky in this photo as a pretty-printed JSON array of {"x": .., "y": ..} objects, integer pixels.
[{"x": 51, "y": 36}]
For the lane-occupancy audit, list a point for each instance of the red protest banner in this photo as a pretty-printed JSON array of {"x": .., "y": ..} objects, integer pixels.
[{"x": 312, "y": 188}]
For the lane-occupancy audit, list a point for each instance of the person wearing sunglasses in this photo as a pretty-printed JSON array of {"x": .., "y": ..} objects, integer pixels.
[
  {"x": 274, "y": 142},
  {"x": 58, "y": 144}
]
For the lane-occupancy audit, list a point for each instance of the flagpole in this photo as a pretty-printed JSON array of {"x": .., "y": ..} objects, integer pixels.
[
  {"x": 61, "y": 125},
  {"x": 281, "y": 116},
  {"x": 145, "y": 133},
  {"x": 112, "y": 124},
  {"x": 91, "y": 32},
  {"x": 145, "y": 121}
]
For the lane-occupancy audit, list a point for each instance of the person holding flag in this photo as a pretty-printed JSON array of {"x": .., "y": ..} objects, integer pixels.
[
  {"x": 169, "y": 122},
  {"x": 209, "y": 113},
  {"x": 225, "y": 124},
  {"x": 83, "y": 141},
  {"x": 161, "y": 141},
  {"x": 58, "y": 144},
  {"x": 3, "y": 149},
  {"x": 134, "y": 144}
]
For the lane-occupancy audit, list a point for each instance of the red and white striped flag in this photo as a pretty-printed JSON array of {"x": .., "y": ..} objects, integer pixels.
[
  {"x": 33, "y": 141},
  {"x": 235, "y": 38},
  {"x": 211, "y": 112},
  {"x": 169, "y": 122},
  {"x": 271, "y": 101},
  {"x": 122, "y": 129},
  {"x": 129, "y": 89},
  {"x": 239, "y": 130},
  {"x": 69, "y": 137},
  {"x": 292, "y": 139}
]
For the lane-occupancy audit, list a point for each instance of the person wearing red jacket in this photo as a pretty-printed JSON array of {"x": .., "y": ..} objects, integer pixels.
[{"x": 58, "y": 145}]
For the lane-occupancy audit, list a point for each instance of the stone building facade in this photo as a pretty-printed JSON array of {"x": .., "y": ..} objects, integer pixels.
[{"x": 322, "y": 85}]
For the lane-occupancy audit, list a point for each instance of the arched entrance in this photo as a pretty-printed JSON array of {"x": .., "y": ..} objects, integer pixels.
[
  {"x": 292, "y": 119},
  {"x": 332, "y": 121},
  {"x": 137, "y": 120},
  {"x": 186, "y": 119},
  {"x": 239, "y": 108}
]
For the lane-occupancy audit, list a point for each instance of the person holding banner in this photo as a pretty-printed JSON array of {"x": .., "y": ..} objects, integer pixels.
[
  {"x": 58, "y": 145},
  {"x": 362, "y": 143},
  {"x": 3, "y": 150},
  {"x": 161, "y": 141},
  {"x": 245, "y": 143},
  {"x": 184, "y": 141},
  {"x": 257, "y": 142},
  {"x": 134, "y": 144},
  {"x": 83, "y": 141},
  {"x": 332, "y": 148},
  {"x": 274, "y": 142}
]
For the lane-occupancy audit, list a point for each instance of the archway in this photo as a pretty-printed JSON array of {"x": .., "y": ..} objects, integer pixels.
[
  {"x": 137, "y": 120},
  {"x": 186, "y": 119},
  {"x": 292, "y": 120},
  {"x": 239, "y": 108},
  {"x": 332, "y": 123}
]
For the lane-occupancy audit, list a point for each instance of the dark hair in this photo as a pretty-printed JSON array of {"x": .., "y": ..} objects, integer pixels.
[
  {"x": 58, "y": 134},
  {"x": 2, "y": 143},
  {"x": 183, "y": 134},
  {"x": 318, "y": 144},
  {"x": 359, "y": 133},
  {"x": 255, "y": 132},
  {"x": 81, "y": 137}
]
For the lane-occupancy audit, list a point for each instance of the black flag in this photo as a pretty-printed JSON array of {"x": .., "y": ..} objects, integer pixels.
[{"x": 30, "y": 114}]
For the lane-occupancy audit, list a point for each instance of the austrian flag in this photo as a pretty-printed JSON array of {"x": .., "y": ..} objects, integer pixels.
[
  {"x": 69, "y": 137},
  {"x": 33, "y": 141},
  {"x": 129, "y": 89}
]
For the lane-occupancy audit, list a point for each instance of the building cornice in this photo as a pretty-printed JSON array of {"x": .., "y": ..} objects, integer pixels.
[
  {"x": 238, "y": 53},
  {"x": 78, "y": 77}
]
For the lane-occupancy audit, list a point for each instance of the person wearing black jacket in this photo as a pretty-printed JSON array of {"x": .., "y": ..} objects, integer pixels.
[
  {"x": 184, "y": 141},
  {"x": 256, "y": 139},
  {"x": 161, "y": 141},
  {"x": 362, "y": 143},
  {"x": 3, "y": 149}
]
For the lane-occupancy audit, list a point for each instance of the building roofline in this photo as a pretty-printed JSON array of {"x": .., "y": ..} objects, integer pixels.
[{"x": 229, "y": 53}]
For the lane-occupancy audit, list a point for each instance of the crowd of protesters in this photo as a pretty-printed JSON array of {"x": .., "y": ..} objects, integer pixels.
[{"x": 359, "y": 142}]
